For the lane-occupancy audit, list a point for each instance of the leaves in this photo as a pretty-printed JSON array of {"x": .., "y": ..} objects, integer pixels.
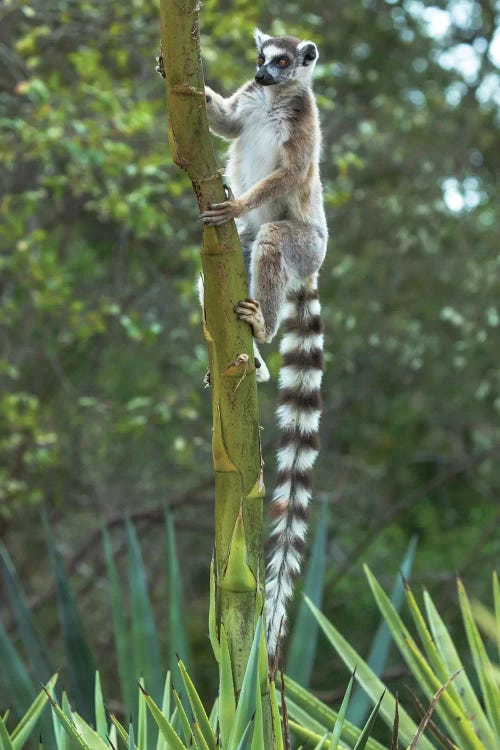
[
  {"x": 382, "y": 641},
  {"x": 145, "y": 646},
  {"x": 164, "y": 725},
  {"x": 304, "y": 636},
  {"x": 78, "y": 655},
  {"x": 484, "y": 670},
  {"x": 30, "y": 718},
  {"x": 177, "y": 640},
  {"x": 371, "y": 684}
]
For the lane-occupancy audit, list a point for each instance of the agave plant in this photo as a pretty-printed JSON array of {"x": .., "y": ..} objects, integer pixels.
[
  {"x": 17, "y": 739},
  {"x": 177, "y": 726},
  {"x": 229, "y": 726},
  {"x": 179, "y": 719},
  {"x": 183, "y": 722},
  {"x": 135, "y": 636},
  {"x": 463, "y": 721}
]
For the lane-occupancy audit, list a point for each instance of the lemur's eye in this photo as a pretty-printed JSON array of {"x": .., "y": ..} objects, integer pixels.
[
  {"x": 283, "y": 62},
  {"x": 260, "y": 61}
]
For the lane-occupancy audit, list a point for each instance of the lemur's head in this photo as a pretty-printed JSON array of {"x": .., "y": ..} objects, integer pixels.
[{"x": 284, "y": 59}]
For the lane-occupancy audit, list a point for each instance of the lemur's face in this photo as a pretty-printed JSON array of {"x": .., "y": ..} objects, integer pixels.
[{"x": 284, "y": 59}]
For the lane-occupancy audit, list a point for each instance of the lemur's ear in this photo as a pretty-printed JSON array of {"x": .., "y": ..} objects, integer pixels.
[
  {"x": 260, "y": 38},
  {"x": 308, "y": 52}
]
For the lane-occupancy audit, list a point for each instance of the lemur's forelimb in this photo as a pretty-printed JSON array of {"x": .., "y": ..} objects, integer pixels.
[{"x": 224, "y": 120}]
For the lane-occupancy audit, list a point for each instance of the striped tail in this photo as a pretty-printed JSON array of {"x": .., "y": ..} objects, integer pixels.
[{"x": 298, "y": 414}]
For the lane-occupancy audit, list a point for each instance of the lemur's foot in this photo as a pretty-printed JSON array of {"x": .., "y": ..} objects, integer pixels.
[
  {"x": 249, "y": 311},
  {"x": 262, "y": 374},
  {"x": 160, "y": 66}
]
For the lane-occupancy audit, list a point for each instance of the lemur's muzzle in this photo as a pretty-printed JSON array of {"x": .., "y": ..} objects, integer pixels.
[{"x": 264, "y": 77}]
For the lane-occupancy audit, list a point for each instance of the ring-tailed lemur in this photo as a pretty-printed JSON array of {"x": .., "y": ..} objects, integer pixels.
[{"x": 273, "y": 170}]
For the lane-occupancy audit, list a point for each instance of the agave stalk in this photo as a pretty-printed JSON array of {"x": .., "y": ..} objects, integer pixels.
[{"x": 239, "y": 487}]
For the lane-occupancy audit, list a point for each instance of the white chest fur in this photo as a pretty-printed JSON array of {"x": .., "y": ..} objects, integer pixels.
[{"x": 261, "y": 142}]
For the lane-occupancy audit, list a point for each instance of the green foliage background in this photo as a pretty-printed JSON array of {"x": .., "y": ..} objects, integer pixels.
[{"x": 102, "y": 409}]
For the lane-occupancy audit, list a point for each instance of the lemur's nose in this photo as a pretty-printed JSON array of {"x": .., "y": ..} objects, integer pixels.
[{"x": 264, "y": 77}]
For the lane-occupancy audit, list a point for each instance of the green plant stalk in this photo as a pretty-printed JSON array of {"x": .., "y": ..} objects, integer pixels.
[{"x": 236, "y": 443}]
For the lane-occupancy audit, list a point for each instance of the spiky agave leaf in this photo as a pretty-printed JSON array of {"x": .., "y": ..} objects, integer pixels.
[
  {"x": 164, "y": 725},
  {"x": 453, "y": 663},
  {"x": 100, "y": 711},
  {"x": 88, "y": 734},
  {"x": 112, "y": 736},
  {"x": 146, "y": 650},
  {"x": 67, "y": 721},
  {"x": 302, "y": 649},
  {"x": 79, "y": 658},
  {"x": 433, "y": 673},
  {"x": 258, "y": 729},
  {"x": 161, "y": 743},
  {"x": 182, "y": 719},
  {"x": 213, "y": 717},
  {"x": 246, "y": 708},
  {"x": 5, "y": 741},
  {"x": 178, "y": 644},
  {"x": 15, "y": 676},
  {"x": 120, "y": 729},
  {"x": 322, "y": 744},
  {"x": 311, "y": 720},
  {"x": 372, "y": 685},
  {"x": 469, "y": 728},
  {"x": 367, "y": 729},
  {"x": 227, "y": 701},
  {"x": 359, "y": 705},
  {"x": 121, "y": 631},
  {"x": 430, "y": 647},
  {"x": 482, "y": 663},
  {"x": 31, "y": 716},
  {"x": 142, "y": 721},
  {"x": 199, "y": 712},
  {"x": 36, "y": 652},
  {"x": 337, "y": 729},
  {"x": 450, "y": 711},
  {"x": 395, "y": 726}
]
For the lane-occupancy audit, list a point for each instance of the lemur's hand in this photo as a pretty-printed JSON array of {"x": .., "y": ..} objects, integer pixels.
[
  {"x": 216, "y": 214},
  {"x": 209, "y": 95}
]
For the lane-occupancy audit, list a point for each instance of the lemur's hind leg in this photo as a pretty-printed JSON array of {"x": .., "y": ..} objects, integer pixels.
[
  {"x": 268, "y": 281},
  {"x": 284, "y": 254},
  {"x": 247, "y": 239}
]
